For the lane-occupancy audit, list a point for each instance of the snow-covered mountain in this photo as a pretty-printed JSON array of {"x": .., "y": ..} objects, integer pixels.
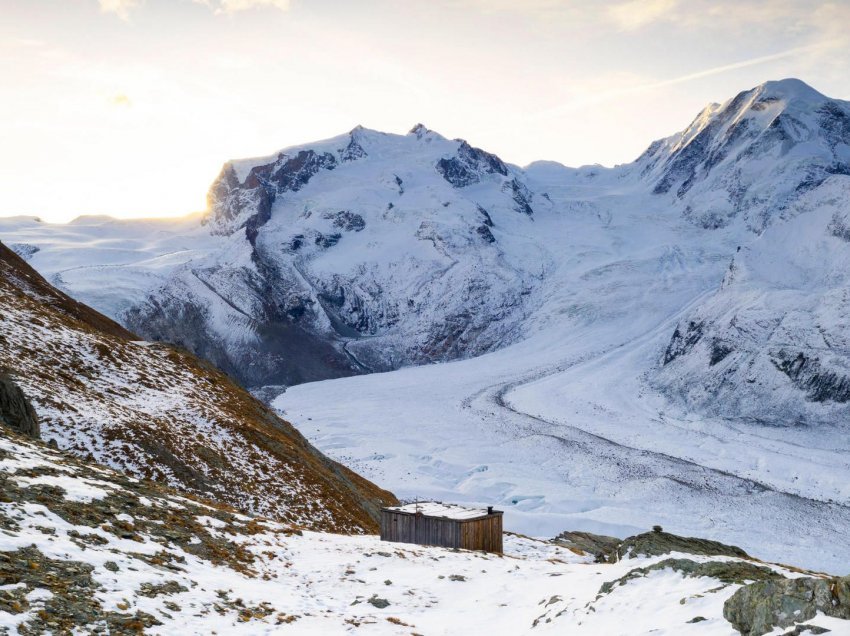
[
  {"x": 771, "y": 345},
  {"x": 365, "y": 252},
  {"x": 639, "y": 326},
  {"x": 753, "y": 157}
]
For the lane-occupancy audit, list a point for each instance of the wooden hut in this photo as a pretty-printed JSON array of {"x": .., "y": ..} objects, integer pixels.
[{"x": 446, "y": 525}]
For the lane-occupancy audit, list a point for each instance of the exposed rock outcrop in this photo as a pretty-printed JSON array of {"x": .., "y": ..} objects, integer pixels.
[
  {"x": 16, "y": 412},
  {"x": 598, "y": 545},
  {"x": 658, "y": 543},
  {"x": 759, "y": 607},
  {"x": 724, "y": 571}
]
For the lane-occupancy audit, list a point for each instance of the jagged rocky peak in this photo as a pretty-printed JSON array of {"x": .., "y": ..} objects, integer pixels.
[
  {"x": 420, "y": 131},
  {"x": 753, "y": 156},
  {"x": 245, "y": 191}
]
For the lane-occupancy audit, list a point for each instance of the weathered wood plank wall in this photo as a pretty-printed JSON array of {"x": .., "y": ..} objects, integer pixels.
[{"x": 484, "y": 533}]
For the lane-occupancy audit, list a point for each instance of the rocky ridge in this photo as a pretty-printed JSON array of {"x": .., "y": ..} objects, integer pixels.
[{"x": 155, "y": 412}]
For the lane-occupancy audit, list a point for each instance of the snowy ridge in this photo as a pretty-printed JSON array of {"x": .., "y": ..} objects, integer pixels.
[
  {"x": 753, "y": 156},
  {"x": 157, "y": 413}
]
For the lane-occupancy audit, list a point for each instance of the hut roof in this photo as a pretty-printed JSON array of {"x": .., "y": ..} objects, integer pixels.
[{"x": 447, "y": 511}]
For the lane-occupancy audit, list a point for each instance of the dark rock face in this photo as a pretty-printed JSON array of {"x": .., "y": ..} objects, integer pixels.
[
  {"x": 469, "y": 165},
  {"x": 808, "y": 374},
  {"x": 16, "y": 412},
  {"x": 683, "y": 340},
  {"x": 484, "y": 232},
  {"x": 719, "y": 352},
  {"x": 658, "y": 543},
  {"x": 456, "y": 172},
  {"x": 521, "y": 196},
  {"x": 248, "y": 204},
  {"x": 487, "y": 220},
  {"x": 348, "y": 221},
  {"x": 596, "y": 544},
  {"x": 328, "y": 240},
  {"x": 759, "y": 607},
  {"x": 353, "y": 151}
]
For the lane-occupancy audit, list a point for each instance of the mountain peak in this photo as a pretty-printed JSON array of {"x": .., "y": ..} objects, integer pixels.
[
  {"x": 789, "y": 89},
  {"x": 420, "y": 130}
]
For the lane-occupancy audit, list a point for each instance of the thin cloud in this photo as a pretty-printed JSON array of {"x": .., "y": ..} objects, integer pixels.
[
  {"x": 234, "y": 6},
  {"x": 121, "y": 8},
  {"x": 636, "y": 14},
  {"x": 616, "y": 93}
]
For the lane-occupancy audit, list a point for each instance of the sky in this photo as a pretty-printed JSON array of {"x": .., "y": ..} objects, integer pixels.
[{"x": 130, "y": 107}]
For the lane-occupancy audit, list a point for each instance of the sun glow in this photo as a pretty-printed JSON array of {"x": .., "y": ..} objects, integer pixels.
[{"x": 129, "y": 107}]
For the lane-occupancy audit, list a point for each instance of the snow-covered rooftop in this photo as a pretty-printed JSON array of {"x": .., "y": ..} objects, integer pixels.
[{"x": 435, "y": 509}]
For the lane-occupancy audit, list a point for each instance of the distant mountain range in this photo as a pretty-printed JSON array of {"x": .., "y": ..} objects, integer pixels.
[{"x": 372, "y": 251}]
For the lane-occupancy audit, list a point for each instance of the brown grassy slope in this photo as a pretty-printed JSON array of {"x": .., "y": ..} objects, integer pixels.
[{"x": 156, "y": 412}]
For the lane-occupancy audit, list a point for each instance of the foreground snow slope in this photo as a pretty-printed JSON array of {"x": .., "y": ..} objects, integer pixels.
[{"x": 83, "y": 548}]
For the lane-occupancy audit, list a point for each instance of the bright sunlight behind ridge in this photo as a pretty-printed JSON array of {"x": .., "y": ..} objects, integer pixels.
[{"x": 128, "y": 107}]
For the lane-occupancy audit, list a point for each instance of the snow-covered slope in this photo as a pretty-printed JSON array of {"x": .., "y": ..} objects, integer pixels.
[
  {"x": 86, "y": 550},
  {"x": 158, "y": 413},
  {"x": 752, "y": 157},
  {"x": 596, "y": 407},
  {"x": 365, "y": 252},
  {"x": 771, "y": 345}
]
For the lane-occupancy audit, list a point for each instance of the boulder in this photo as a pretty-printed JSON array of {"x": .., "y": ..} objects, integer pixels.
[
  {"x": 598, "y": 545},
  {"x": 16, "y": 412},
  {"x": 658, "y": 543},
  {"x": 723, "y": 571},
  {"x": 759, "y": 607}
]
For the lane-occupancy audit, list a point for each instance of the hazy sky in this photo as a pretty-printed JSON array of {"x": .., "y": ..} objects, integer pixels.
[{"x": 129, "y": 107}]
